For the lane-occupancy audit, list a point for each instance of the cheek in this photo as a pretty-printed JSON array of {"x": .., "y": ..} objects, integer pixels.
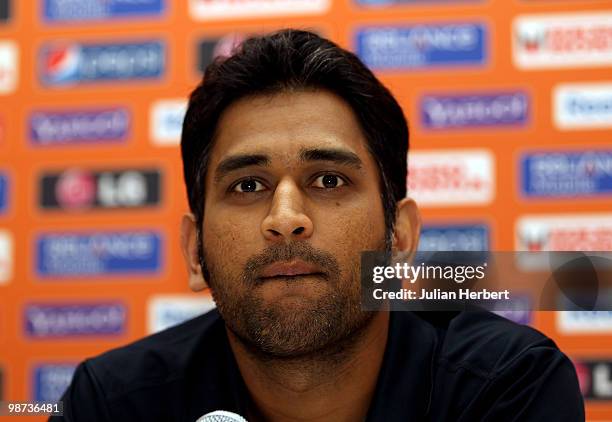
[
  {"x": 360, "y": 224},
  {"x": 228, "y": 240},
  {"x": 374, "y": 222},
  {"x": 350, "y": 230}
]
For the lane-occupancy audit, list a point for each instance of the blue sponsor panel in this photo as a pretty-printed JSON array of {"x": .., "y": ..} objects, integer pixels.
[
  {"x": 423, "y": 46},
  {"x": 566, "y": 174},
  {"x": 74, "y": 320},
  {"x": 4, "y": 192},
  {"x": 51, "y": 380},
  {"x": 472, "y": 111},
  {"x": 97, "y": 254},
  {"x": 455, "y": 237},
  {"x": 86, "y": 10},
  {"x": 78, "y": 127},
  {"x": 73, "y": 64}
]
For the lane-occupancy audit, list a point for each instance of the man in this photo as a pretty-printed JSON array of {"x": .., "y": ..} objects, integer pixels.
[{"x": 295, "y": 162}]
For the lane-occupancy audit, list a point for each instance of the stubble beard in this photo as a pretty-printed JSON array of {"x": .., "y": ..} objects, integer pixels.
[{"x": 321, "y": 328}]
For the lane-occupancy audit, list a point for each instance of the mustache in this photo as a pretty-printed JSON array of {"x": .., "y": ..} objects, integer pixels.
[{"x": 287, "y": 252}]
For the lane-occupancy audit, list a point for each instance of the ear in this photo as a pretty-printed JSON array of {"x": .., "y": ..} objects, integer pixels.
[
  {"x": 407, "y": 227},
  {"x": 189, "y": 247}
]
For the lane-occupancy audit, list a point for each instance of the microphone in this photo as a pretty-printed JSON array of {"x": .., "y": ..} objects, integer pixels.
[{"x": 221, "y": 416}]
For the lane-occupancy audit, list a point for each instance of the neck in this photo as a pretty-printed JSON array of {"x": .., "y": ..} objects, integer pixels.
[{"x": 334, "y": 385}]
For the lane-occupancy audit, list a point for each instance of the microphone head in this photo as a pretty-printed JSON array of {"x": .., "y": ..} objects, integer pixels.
[{"x": 221, "y": 416}]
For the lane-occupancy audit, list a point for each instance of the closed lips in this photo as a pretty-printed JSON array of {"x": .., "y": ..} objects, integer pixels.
[{"x": 290, "y": 269}]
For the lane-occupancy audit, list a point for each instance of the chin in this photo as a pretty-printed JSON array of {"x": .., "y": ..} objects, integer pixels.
[
  {"x": 290, "y": 327},
  {"x": 297, "y": 326}
]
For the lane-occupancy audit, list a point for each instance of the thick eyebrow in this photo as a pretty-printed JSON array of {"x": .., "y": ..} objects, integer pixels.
[
  {"x": 338, "y": 156},
  {"x": 236, "y": 162}
]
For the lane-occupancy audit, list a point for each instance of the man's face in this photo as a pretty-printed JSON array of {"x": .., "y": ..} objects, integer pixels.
[{"x": 292, "y": 198}]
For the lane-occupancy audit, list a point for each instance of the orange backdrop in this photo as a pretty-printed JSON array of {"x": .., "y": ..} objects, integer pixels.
[{"x": 23, "y": 216}]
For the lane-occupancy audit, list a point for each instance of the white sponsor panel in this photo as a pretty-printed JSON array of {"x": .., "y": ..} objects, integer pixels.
[
  {"x": 206, "y": 10},
  {"x": 6, "y": 256},
  {"x": 563, "y": 40},
  {"x": 165, "y": 311},
  {"x": 584, "y": 322},
  {"x": 570, "y": 232},
  {"x": 166, "y": 121},
  {"x": 602, "y": 381},
  {"x": 451, "y": 177},
  {"x": 590, "y": 233},
  {"x": 9, "y": 66},
  {"x": 583, "y": 106}
]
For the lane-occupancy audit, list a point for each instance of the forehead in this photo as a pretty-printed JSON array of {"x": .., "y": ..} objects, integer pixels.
[{"x": 282, "y": 125}]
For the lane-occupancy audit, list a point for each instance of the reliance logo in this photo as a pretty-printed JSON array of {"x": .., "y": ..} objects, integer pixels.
[
  {"x": 423, "y": 46},
  {"x": 566, "y": 174}
]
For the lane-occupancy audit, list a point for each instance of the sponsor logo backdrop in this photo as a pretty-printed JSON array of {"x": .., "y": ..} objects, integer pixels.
[{"x": 510, "y": 108}]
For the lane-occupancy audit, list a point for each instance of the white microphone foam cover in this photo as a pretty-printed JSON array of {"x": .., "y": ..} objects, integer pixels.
[{"x": 221, "y": 416}]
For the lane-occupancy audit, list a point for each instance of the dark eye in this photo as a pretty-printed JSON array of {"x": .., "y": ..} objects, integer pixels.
[
  {"x": 328, "y": 181},
  {"x": 248, "y": 185}
]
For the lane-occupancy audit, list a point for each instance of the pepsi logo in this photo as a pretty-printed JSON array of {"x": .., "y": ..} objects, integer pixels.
[{"x": 60, "y": 63}]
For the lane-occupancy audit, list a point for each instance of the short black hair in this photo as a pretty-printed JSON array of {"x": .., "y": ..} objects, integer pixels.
[{"x": 293, "y": 60}]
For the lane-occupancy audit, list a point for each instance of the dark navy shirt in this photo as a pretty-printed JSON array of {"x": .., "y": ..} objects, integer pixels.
[{"x": 468, "y": 366}]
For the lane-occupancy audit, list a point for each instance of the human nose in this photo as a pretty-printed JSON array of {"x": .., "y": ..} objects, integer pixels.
[{"x": 287, "y": 219}]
